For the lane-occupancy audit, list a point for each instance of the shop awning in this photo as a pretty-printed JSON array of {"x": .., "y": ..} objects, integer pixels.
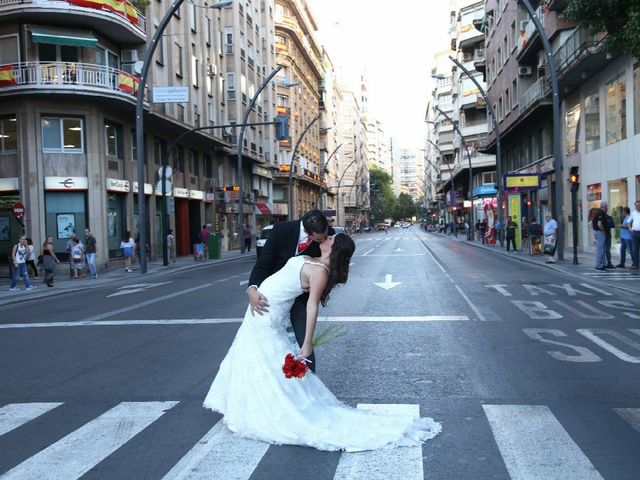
[
  {"x": 263, "y": 209},
  {"x": 62, "y": 36}
]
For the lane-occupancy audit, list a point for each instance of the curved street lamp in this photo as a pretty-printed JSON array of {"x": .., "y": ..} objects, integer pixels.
[{"x": 146, "y": 62}]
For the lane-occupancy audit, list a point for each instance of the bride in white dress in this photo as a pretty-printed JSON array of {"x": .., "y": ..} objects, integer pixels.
[{"x": 256, "y": 399}]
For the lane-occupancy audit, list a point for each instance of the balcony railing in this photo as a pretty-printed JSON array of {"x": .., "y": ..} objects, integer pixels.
[
  {"x": 74, "y": 76},
  {"x": 530, "y": 28},
  {"x": 579, "y": 41},
  {"x": 532, "y": 95}
]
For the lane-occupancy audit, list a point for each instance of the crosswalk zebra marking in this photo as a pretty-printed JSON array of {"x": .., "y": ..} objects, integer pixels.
[
  {"x": 534, "y": 445},
  {"x": 405, "y": 463},
  {"x": 77, "y": 453},
  {"x": 17, "y": 414},
  {"x": 219, "y": 454},
  {"x": 631, "y": 416}
]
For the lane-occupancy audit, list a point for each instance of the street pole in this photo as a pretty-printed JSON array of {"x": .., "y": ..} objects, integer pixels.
[
  {"x": 557, "y": 207},
  {"x": 574, "y": 223},
  {"x": 470, "y": 235},
  {"x": 146, "y": 62},
  {"x": 338, "y": 191},
  {"x": 247, "y": 112},
  {"x": 324, "y": 168},
  {"x": 496, "y": 129},
  {"x": 293, "y": 156}
]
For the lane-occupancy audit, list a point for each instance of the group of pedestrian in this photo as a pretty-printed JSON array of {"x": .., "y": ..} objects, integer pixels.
[{"x": 602, "y": 224}]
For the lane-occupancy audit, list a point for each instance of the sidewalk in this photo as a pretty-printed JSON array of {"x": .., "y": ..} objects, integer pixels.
[
  {"x": 619, "y": 278},
  {"x": 63, "y": 284}
]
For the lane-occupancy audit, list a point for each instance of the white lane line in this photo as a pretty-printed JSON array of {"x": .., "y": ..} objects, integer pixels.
[
  {"x": 398, "y": 255},
  {"x": 433, "y": 258},
  {"x": 244, "y": 282},
  {"x": 481, "y": 317},
  {"x": 631, "y": 416},
  {"x": 405, "y": 463},
  {"x": 534, "y": 445},
  {"x": 219, "y": 454},
  {"x": 209, "y": 321},
  {"x": 367, "y": 252},
  {"x": 148, "y": 302},
  {"x": 15, "y": 415},
  {"x": 80, "y": 451}
]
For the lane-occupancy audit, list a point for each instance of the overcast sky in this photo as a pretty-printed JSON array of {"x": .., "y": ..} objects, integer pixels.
[{"x": 393, "y": 42}]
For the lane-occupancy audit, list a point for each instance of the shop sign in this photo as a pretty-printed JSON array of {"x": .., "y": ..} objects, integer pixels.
[
  {"x": 261, "y": 171},
  {"x": 180, "y": 192},
  {"x": 66, "y": 183},
  {"x": 210, "y": 197},
  {"x": 117, "y": 185},
  {"x": 466, "y": 203},
  {"x": 17, "y": 210},
  {"x": 170, "y": 94},
  {"x": 148, "y": 188},
  {"x": 196, "y": 194},
  {"x": 9, "y": 184},
  {"x": 522, "y": 182}
]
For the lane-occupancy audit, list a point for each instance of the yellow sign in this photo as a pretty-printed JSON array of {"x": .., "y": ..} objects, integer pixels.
[{"x": 522, "y": 181}]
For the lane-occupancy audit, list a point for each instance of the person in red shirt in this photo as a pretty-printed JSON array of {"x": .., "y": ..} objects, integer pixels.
[{"x": 204, "y": 238}]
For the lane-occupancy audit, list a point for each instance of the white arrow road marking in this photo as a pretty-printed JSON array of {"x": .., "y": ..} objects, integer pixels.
[
  {"x": 244, "y": 282},
  {"x": 127, "y": 289},
  {"x": 388, "y": 283},
  {"x": 398, "y": 250}
]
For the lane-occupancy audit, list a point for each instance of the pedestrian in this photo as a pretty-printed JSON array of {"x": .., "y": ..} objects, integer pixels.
[
  {"x": 247, "y": 238},
  {"x": 634, "y": 225},
  {"x": 90, "y": 252},
  {"x": 19, "y": 254},
  {"x": 31, "y": 259},
  {"x": 49, "y": 260},
  {"x": 598, "y": 223},
  {"x": 512, "y": 227},
  {"x": 550, "y": 233},
  {"x": 498, "y": 230},
  {"x": 204, "y": 238},
  {"x": 483, "y": 229},
  {"x": 68, "y": 248},
  {"x": 127, "y": 245},
  {"x": 77, "y": 252},
  {"x": 625, "y": 238},
  {"x": 171, "y": 246},
  {"x": 608, "y": 227}
]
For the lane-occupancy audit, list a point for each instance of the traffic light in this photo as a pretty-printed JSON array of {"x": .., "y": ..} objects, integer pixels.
[
  {"x": 574, "y": 179},
  {"x": 282, "y": 127}
]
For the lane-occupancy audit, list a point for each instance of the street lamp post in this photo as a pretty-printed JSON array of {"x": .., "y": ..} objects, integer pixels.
[
  {"x": 338, "y": 190},
  {"x": 324, "y": 169},
  {"x": 293, "y": 156},
  {"x": 247, "y": 112},
  {"x": 146, "y": 62},
  {"x": 496, "y": 129},
  {"x": 466, "y": 147},
  {"x": 558, "y": 160}
]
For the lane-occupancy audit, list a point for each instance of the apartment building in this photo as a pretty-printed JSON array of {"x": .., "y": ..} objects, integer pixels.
[
  {"x": 299, "y": 95},
  {"x": 68, "y": 87}
]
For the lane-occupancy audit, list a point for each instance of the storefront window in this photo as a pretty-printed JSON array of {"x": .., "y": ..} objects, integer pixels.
[
  {"x": 62, "y": 135},
  {"x": 8, "y": 135},
  {"x": 616, "y": 110},
  {"x": 618, "y": 199},
  {"x": 592, "y": 122},
  {"x": 636, "y": 97},
  {"x": 572, "y": 124}
]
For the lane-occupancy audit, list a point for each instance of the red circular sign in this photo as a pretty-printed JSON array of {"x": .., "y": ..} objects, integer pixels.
[{"x": 18, "y": 210}]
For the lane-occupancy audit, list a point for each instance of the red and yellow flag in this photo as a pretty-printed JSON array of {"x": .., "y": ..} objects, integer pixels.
[{"x": 6, "y": 75}]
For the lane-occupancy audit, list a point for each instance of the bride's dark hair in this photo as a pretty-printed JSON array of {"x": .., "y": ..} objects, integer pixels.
[{"x": 339, "y": 259}]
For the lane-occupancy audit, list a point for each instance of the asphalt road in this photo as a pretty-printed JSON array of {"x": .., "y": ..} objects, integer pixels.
[{"x": 532, "y": 372}]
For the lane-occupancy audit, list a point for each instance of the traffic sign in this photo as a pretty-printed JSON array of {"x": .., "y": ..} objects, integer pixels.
[
  {"x": 168, "y": 171},
  {"x": 18, "y": 210},
  {"x": 167, "y": 187}
]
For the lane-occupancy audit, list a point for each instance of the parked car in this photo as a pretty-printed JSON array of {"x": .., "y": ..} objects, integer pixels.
[
  {"x": 264, "y": 236},
  {"x": 338, "y": 230}
]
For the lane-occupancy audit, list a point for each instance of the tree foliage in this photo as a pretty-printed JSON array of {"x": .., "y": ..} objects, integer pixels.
[
  {"x": 620, "y": 19},
  {"x": 382, "y": 200},
  {"x": 405, "y": 208}
]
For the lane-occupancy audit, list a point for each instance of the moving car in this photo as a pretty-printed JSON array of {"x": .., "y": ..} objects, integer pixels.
[{"x": 264, "y": 236}]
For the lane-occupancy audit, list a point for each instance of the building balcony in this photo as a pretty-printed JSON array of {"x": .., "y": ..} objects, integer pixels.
[
  {"x": 475, "y": 128},
  {"x": 118, "y": 20},
  {"x": 529, "y": 38},
  {"x": 534, "y": 95},
  {"x": 479, "y": 60},
  {"x": 469, "y": 36},
  {"x": 67, "y": 78},
  {"x": 578, "y": 58}
]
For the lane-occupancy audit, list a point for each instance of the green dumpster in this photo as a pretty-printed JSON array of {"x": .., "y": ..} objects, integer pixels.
[{"x": 214, "y": 245}]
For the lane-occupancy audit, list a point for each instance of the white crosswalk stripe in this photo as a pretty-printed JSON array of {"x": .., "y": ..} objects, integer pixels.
[
  {"x": 74, "y": 455},
  {"x": 219, "y": 454},
  {"x": 405, "y": 463},
  {"x": 531, "y": 441},
  {"x": 534, "y": 445},
  {"x": 17, "y": 414}
]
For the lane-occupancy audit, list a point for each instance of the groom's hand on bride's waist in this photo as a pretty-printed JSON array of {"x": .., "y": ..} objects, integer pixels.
[{"x": 258, "y": 302}]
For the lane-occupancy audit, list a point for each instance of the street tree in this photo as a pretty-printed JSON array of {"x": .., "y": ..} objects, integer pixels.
[
  {"x": 619, "y": 19},
  {"x": 383, "y": 200},
  {"x": 406, "y": 207}
]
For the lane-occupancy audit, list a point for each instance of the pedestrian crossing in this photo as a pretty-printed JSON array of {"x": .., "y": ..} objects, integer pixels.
[
  {"x": 531, "y": 441},
  {"x": 615, "y": 276}
]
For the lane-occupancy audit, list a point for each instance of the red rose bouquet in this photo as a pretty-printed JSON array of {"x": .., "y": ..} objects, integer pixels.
[{"x": 297, "y": 367}]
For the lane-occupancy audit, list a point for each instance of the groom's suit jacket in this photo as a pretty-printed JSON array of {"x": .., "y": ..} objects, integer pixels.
[{"x": 280, "y": 247}]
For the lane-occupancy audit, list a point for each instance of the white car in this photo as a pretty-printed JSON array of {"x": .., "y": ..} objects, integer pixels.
[{"x": 264, "y": 236}]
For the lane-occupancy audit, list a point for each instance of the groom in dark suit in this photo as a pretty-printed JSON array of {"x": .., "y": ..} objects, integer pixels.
[{"x": 288, "y": 239}]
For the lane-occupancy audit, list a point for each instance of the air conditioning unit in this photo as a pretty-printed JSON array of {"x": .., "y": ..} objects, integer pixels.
[
  {"x": 212, "y": 70},
  {"x": 129, "y": 56},
  {"x": 523, "y": 25},
  {"x": 525, "y": 71}
]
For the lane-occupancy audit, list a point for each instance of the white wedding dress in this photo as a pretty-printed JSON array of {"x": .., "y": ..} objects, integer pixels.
[{"x": 258, "y": 402}]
